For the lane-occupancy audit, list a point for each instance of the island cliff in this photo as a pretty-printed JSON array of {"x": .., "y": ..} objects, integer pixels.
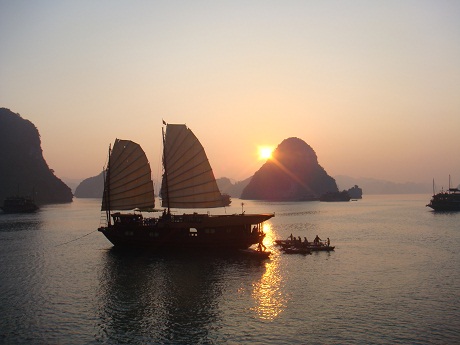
[
  {"x": 292, "y": 174},
  {"x": 23, "y": 170},
  {"x": 355, "y": 192},
  {"x": 92, "y": 187}
]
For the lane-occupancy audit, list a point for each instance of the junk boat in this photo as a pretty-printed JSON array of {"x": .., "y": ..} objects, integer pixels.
[
  {"x": 19, "y": 204},
  {"x": 188, "y": 182},
  {"x": 445, "y": 200},
  {"x": 335, "y": 196}
]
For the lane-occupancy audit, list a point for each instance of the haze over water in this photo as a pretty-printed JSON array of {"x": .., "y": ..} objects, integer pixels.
[{"x": 393, "y": 278}]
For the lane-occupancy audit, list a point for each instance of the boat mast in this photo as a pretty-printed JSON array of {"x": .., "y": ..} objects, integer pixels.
[
  {"x": 107, "y": 187},
  {"x": 166, "y": 185}
]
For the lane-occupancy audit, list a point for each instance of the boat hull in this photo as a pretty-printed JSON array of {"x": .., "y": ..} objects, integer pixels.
[
  {"x": 256, "y": 253},
  {"x": 192, "y": 231},
  {"x": 445, "y": 202},
  {"x": 296, "y": 250},
  {"x": 445, "y": 206},
  {"x": 321, "y": 248},
  {"x": 311, "y": 246},
  {"x": 28, "y": 209},
  {"x": 18, "y": 205}
]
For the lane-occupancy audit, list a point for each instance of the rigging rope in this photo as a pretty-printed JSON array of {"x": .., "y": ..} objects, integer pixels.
[{"x": 75, "y": 239}]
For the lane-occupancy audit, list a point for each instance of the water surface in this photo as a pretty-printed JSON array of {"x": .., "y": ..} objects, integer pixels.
[{"x": 393, "y": 278}]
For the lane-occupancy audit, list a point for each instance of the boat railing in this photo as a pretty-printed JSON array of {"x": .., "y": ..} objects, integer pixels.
[{"x": 189, "y": 218}]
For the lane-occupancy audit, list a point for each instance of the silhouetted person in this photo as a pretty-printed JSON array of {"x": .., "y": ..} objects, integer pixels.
[
  {"x": 317, "y": 239},
  {"x": 261, "y": 247}
]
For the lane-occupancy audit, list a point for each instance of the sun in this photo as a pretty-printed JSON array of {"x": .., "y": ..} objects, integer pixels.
[{"x": 265, "y": 152}]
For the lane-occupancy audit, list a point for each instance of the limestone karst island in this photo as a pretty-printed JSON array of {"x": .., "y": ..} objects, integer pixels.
[
  {"x": 293, "y": 174},
  {"x": 23, "y": 170}
]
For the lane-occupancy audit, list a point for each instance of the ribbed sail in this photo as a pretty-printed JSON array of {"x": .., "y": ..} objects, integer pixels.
[
  {"x": 188, "y": 174},
  {"x": 128, "y": 181}
]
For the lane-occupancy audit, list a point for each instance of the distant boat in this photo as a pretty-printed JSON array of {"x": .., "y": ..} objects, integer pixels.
[
  {"x": 311, "y": 246},
  {"x": 188, "y": 182},
  {"x": 335, "y": 196},
  {"x": 445, "y": 200},
  {"x": 19, "y": 204},
  {"x": 355, "y": 192}
]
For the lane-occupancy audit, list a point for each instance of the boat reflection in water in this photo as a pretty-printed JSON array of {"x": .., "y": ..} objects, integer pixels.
[
  {"x": 156, "y": 299},
  {"x": 179, "y": 298},
  {"x": 267, "y": 292}
]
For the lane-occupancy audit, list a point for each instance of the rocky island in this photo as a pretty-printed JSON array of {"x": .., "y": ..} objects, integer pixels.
[
  {"x": 292, "y": 174},
  {"x": 92, "y": 187},
  {"x": 23, "y": 170}
]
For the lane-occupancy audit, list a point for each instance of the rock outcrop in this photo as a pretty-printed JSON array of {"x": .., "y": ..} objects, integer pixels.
[
  {"x": 355, "y": 192},
  {"x": 92, "y": 187},
  {"x": 233, "y": 189},
  {"x": 23, "y": 170},
  {"x": 292, "y": 174}
]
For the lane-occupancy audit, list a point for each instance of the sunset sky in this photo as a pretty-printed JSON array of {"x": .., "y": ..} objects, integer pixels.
[{"x": 372, "y": 86}]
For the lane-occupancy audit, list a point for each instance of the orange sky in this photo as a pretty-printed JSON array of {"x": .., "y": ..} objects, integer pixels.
[{"x": 372, "y": 86}]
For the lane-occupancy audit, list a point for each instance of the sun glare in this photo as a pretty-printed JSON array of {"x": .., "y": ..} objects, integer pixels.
[{"x": 265, "y": 152}]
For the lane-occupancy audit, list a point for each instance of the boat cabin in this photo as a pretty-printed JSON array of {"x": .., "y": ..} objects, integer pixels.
[{"x": 126, "y": 218}]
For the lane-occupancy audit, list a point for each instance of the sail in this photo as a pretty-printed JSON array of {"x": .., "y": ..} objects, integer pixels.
[
  {"x": 128, "y": 181},
  {"x": 188, "y": 180}
]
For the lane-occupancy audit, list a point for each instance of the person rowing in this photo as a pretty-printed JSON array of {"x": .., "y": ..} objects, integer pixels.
[{"x": 317, "y": 240}]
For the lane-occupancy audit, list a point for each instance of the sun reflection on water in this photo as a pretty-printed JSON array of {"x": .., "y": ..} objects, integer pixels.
[{"x": 267, "y": 292}]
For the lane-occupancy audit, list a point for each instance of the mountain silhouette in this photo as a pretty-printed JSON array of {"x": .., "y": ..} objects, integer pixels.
[
  {"x": 233, "y": 189},
  {"x": 292, "y": 174},
  {"x": 23, "y": 170},
  {"x": 92, "y": 187}
]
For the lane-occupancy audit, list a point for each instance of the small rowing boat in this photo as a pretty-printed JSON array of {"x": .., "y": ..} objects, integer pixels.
[
  {"x": 312, "y": 246},
  {"x": 296, "y": 250},
  {"x": 264, "y": 254}
]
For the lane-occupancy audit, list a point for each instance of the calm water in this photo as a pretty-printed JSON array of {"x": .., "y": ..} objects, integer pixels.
[{"x": 393, "y": 278}]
